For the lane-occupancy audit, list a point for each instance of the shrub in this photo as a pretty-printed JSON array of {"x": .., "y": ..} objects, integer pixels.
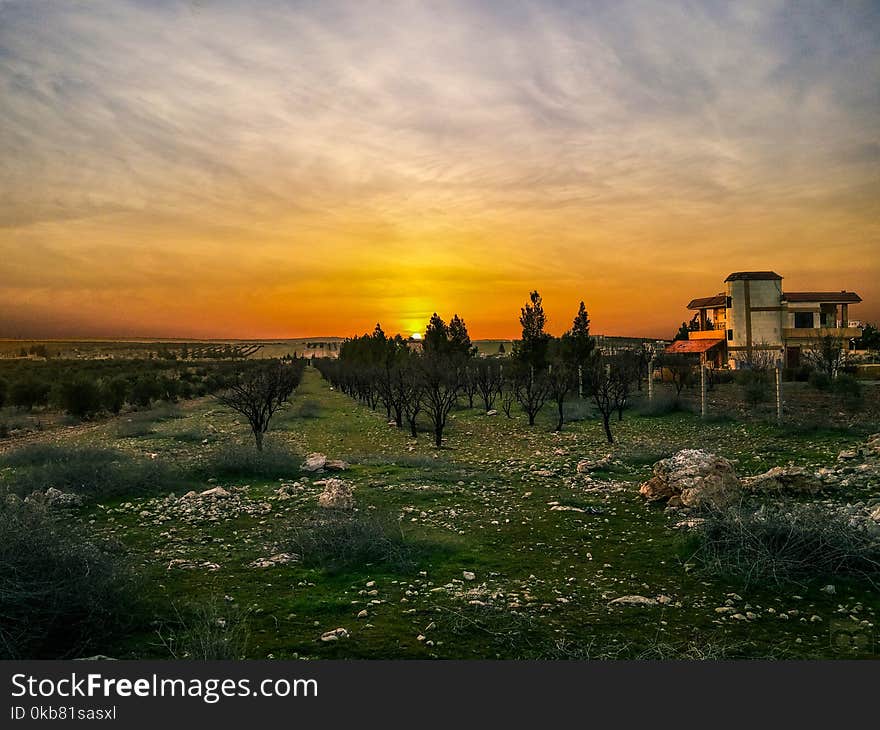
[
  {"x": 782, "y": 544},
  {"x": 309, "y": 409},
  {"x": 236, "y": 460},
  {"x": 145, "y": 390},
  {"x": 80, "y": 398},
  {"x": 660, "y": 406},
  {"x": 63, "y": 593},
  {"x": 819, "y": 380},
  {"x": 336, "y": 540},
  {"x": 113, "y": 394},
  {"x": 29, "y": 392},
  {"x": 848, "y": 388},
  {"x": 213, "y": 630},
  {"x": 94, "y": 473}
]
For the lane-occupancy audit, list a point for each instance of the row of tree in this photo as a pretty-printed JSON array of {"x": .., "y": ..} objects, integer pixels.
[{"x": 410, "y": 383}]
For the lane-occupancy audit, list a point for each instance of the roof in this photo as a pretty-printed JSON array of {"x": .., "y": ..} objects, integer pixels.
[
  {"x": 836, "y": 297},
  {"x": 719, "y": 300},
  {"x": 685, "y": 346},
  {"x": 753, "y": 276}
]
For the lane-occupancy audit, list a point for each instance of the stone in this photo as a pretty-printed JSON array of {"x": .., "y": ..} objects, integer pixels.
[
  {"x": 698, "y": 478},
  {"x": 829, "y": 589},
  {"x": 336, "y": 495},
  {"x": 215, "y": 492},
  {"x": 314, "y": 462},
  {"x": 363, "y": 613},
  {"x": 793, "y": 479},
  {"x": 273, "y": 560},
  {"x": 492, "y": 412},
  {"x": 334, "y": 635},
  {"x": 467, "y": 575},
  {"x": 56, "y": 498},
  {"x": 336, "y": 465},
  {"x": 585, "y": 466},
  {"x": 633, "y": 601}
]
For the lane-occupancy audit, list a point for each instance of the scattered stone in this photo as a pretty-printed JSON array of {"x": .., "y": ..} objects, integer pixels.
[
  {"x": 335, "y": 635},
  {"x": 215, "y": 492},
  {"x": 273, "y": 560},
  {"x": 633, "y": 601},
  {"x": 314, "y": 462},
  {"x": 793, "y": 479},
  {"x": 585, "y": 466},
  {"x": 467, "y": 575},
  {"x": 336, "y": 495}
]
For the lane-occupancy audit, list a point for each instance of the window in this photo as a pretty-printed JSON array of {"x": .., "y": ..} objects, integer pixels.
[
  {"x": 729, "y": 334},
  {"x": 729, "y": 304},
  {"x": 803, "y": 320}
]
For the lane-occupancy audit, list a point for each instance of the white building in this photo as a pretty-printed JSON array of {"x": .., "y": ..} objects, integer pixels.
[{"x": 756, "y": 314}]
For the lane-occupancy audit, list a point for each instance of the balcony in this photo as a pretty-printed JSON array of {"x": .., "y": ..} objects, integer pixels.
[
  {"x": 813, "y": 333},
  {"x": 713, "y": 334}
]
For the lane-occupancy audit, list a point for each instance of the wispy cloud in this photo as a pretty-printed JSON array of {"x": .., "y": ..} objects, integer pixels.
[{"x": 592, "y": 147}]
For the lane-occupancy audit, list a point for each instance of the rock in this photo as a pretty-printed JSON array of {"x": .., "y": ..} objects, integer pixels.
[
  {"x": 336, "y": 465},
  {"x": 847, "y": 455},
  {"x": 363, "y": 613},
  {"x": 829, "y": 589},
  {"x": 467, "y": 575},
  {"x": 633, "y": 601},
  {"x": 493, "y": 412},
  {"x": 336, "y": 495},
  {"x": 215, "y": 492},
  {"x": 794, "y": 479},
  {"x": 335, "y": 635},
  {"x": 875, "y": 514},
  {"x": 57, "y": 498},
  {"x": 191, "y": 494},
  {"x": 314, "y": 462},
  {"x": 698, "y": 478},
  {"x": 273, "y": 560},
  {"x": 585, "y": 466}
]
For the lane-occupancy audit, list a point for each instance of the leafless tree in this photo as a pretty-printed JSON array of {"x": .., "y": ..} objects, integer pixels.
[
  {"x": 489, "y": 379},
  {"x": 258, "y": 392},
  {"x": 440, "y": 386},
  {"x": 827, "y": 354},
  {"x": 531, "y": 390}
]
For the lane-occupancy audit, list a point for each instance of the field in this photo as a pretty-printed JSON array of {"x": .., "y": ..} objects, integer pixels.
[{"x": 492, "y": 547}]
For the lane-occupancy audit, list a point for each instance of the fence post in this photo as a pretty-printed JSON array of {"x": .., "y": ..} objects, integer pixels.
[
  {"x": 651, "y": 380},
  {"x": 581, "y": 382},
  {"x": 702, "y": 390},
  {"x": 779, "y": 395}
]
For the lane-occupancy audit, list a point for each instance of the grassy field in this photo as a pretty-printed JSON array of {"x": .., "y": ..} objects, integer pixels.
[{"x": 491, "y": 569}]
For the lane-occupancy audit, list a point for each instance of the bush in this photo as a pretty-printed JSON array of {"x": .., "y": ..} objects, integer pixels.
[
  {"x": 848, "y": 388},
  {"x": 213, "y": 630},
  {"x": 113, "y": 394},
  {"x": 63, "y": 594},
  {"x": 819, "y": 380},
  {"x": 80, "y": 398},
  {"x": 237, "y": 460},
  {"x": 309, "y": 409},
  {"x": 145, "y": 390},
  {"x": 94, "y": 473},
  {"x": 779, "y": 544},
  {"x": 337, "y": 540},
  {"x": 29, "y": 392},
  {"x": 660, "y": 406}
]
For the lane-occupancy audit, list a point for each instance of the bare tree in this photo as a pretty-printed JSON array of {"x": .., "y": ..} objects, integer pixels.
[
  {"x": 827, "y": 354},
  {"x": 531, "y": 390},
  {"x": 562, "y": 379},
  {"x": 259, "y": 392},
  {"x": 490, "y": 379},
  {"x": 440, "y": 386}
]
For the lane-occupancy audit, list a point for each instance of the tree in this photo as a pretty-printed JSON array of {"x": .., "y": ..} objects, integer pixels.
[
  {"x": 440, "y": 385},
  {"x": 870, "y": 338},
  {"x": 489, "y": 379},
  {"x": 259, "y": 392},
  {"x": 681, "y": 370},
  {"x": 531, "y": 389},
  {"x": 501, "y": 349},
  {"x": 435, "y": 343},
  {"x": 561, "y": 379},
  {"x": 577, "y": 345},
  {"x": 531, "y": 350},
  {"x": 827, "y": 354},
  {"x": 683, "y": 332},
  {"x": 459, "y": 339},
  {"x": 80, "y": 397},
  {"x": 28, "y": 392}
]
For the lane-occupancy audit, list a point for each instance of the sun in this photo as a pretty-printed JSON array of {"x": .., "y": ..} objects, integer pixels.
[{"x": 416, "y": 335}]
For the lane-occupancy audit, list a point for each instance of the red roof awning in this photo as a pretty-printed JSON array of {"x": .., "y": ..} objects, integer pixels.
[{"x": 684, "y": 346}]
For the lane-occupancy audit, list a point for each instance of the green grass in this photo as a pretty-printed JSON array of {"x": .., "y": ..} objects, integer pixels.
[{"x": 543, "y": 578}]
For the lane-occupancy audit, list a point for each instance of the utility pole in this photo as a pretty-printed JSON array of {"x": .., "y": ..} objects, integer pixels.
[
  {"x": 779, "y": 394},
  {"x": 651, "y": 380},
  {"x": 703, "y": 409}
]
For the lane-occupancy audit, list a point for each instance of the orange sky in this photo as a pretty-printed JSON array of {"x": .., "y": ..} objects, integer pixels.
[{"x": 187, "y": 169}]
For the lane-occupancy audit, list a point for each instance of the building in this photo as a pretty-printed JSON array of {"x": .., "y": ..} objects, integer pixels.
[{"x": 755, "y": 315}]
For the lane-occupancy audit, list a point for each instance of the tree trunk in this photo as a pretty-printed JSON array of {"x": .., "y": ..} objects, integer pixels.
[
  {"x": 531, "y": 418},
  {"x": 607, "y": 425},
  {"x": 438, "y": 436},
  {"x": 258, "y": 437},
  {"x": 560, "y": 406}
]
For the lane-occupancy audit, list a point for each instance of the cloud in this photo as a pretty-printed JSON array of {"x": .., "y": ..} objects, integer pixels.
[{"x": 149, "y": 144}]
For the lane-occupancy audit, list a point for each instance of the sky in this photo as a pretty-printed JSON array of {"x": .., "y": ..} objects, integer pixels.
[{"x": 202, "y": 168}]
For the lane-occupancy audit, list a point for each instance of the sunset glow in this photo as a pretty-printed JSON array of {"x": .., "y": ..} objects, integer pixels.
[{"x": 210, "y": 169}]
